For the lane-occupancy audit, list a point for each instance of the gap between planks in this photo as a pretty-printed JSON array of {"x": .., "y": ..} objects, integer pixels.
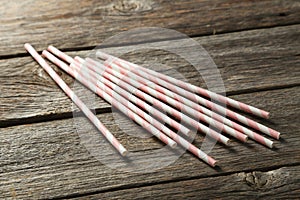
[
  {"x": 42, "y": 147},
  {"x": 87, "y": 48},
  {"x": 67, "y": 115},
  {"x": 259, "y": 184},
  {"x": 124, "y": 189},
  {"x": 80, "y": 21}
]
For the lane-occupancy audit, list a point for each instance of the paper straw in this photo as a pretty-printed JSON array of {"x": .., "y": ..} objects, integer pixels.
[
  {"x": 108, "y": 98},
  {"x": 198, "y": 90},
  {"x": 258, "y": 138},
  {"x": 193, "y": 149},
  {"x": 251, "y": 134},
  {"x": 200, "y": 154},
  {"x": 187, "y": 145},
  {"x": 118, "y": 146},
  {"x": 95, "y": 66},
  {"x": 186, "y": 105},
  {"x": 160, "y": 115},
  {"x": 191, "y": 96},
  {"x": 163, "y": 117}
]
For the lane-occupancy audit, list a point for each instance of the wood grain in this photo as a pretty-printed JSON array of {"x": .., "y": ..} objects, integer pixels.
[
  {"x": 48, "y": 160},
  {"x": 282, "y": 183},
  {"x": 49, "y": 151},
  {"x": 71, "y": 24},
  {"x": 252, "y": 60}
]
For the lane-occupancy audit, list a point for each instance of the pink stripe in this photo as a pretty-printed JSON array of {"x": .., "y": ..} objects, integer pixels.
[{"x": 244, "y": 107}]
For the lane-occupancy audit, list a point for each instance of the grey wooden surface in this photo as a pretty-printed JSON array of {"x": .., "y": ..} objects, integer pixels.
[
  {"x": 256, "y": 46},
  {"x": 80, "y": 24}
]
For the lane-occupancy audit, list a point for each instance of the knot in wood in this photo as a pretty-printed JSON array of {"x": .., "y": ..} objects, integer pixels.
[
  {"x": 133, "y": 6},
  {"x": 266, "y": 180}
]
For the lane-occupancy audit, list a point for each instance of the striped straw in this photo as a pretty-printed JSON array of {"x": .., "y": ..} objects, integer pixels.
[
  {"x": 118, "y": 146},
  {"x": 198, "y": 90},
  {"x": 100, "y": 69},
  {"x": 258, "y": 138},
  {"x": 108, "y": 98},
  {"x": 160, "y": 115},
  {"x": 187, "y": 145},
  {"x": 191, "y": 96},
  {"x": 191, "y": 107},
  {"x": 200, "y": 154}
]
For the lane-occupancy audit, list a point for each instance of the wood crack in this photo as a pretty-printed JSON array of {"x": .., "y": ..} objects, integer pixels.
[{"x": 259, "y": 179}]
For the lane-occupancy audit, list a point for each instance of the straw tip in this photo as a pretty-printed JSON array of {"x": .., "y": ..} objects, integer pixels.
[
  {"x": 227, "y": 142},
  {"x": 124, "y": 152},
  {"x": 278, "y": 135},
  {"x": 27, "y": 45},
  {"x": 173, "y": 145},
  {"x": 44, "y": 52},
  {"x": 50, "y": 47},
  {"x": 214, "y": 163}
]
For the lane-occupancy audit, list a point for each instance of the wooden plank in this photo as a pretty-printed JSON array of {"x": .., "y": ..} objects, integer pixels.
[
  {"x": 48, "y": 160},
  {"x": 77, "y": 24},
  {"x": 257, "y": 59},
  {"x": 282, "y": 183}
]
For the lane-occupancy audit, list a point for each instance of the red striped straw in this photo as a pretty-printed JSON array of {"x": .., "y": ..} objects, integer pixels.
[
  {"x": 200, "y": 154},
  {"x": 118, "y": 146},
  {"x": 187, "y": 145},
  {"x": 191, "y": 107},
  {"x": 160, "y": 115},
  {"x": 108, "y": 98},
  {"x": 251, "y": 134},
  {"x": 198, "y": 90},
  {"x": 95, "y": 66},
  {"x": 191, "y": 96}
]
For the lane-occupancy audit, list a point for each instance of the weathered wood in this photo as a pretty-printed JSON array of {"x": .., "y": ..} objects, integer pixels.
[
  {"x": 47, "y": 160},
  {"x": 74, "y": 24},
  {"x": 282, "y": 183},
  {"x": 247, "y": 61}
]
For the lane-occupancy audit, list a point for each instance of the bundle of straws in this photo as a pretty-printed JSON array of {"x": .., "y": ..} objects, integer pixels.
[{"x": 131, "y": 89}]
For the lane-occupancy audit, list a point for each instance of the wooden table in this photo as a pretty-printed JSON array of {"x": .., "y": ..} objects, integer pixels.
[{"x": 255, "y": 44}]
